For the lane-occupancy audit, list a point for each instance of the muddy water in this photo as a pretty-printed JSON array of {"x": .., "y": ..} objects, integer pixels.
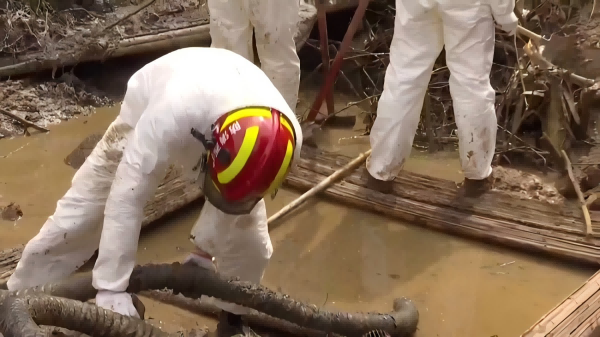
[{"x": 327, "y": 254}]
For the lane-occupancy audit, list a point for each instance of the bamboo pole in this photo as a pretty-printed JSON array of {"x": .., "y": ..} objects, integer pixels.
[
  {"x": 323, "y": 185},
  {"x": 584, "y": 208}
]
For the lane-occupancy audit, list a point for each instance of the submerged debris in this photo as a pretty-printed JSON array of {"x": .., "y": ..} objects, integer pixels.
[
  {"x": 11, "y": 212},
  {"x": 43, "y": 103}
]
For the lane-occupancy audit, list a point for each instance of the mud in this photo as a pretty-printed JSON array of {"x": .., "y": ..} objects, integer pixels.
[
  {"x": 525, "y": 185},
  {"x": 334, "y": 256},
  {"x": 11, "y": 212},
  {"x": 43, "y": 103}
]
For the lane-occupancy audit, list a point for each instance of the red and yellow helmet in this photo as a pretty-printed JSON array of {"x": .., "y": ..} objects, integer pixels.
[{"x": 252, "y": 154}]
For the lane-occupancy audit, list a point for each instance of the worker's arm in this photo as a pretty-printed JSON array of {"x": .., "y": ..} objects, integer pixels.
[
  {"x": 503, "y": 12},
  {"x": 141, "y": 169}
]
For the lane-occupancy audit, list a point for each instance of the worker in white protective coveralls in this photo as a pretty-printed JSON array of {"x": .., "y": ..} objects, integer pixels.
[
  {"x": 422, "y": 28},
  {"x": 175, "y": 109},
  {"x": 274, "y": 23}
]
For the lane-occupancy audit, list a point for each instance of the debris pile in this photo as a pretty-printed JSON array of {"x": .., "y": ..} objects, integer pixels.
[
  {"x": 24, "y": 105},
  {"x": 35, "y": 39}
]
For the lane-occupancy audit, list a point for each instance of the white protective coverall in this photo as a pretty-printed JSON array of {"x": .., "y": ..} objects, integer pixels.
[
  {"x": 422, "y": 28},
  {"x": 188, "y": 88},
  {"x": 274, "y": 23}
]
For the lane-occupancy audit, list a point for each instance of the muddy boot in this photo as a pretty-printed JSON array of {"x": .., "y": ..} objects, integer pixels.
[
  {"x": 475, "y": 188},
  {"x": 381, "y": 186},
  {"x": 231, "y": 325},
  {"x": 139, "y": 306}
]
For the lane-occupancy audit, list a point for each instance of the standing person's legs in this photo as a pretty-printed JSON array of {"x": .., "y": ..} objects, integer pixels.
[
  {"x": 72, "y": 234},
  {"x": 230, "y": 27},
  {"x": 275, "y": 24},
  {"x": 416, "y": 44},
  {"x": 469, "y": 37},
  {"x": 240, "y": 244}
]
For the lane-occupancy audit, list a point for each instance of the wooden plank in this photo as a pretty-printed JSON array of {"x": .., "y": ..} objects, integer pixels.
[
  {"x": 497, "y": 216},
  {"x": 578, "y": 315}
]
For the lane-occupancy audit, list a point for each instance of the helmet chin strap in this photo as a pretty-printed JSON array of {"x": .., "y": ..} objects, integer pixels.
[{"x": 208, "y": 144}]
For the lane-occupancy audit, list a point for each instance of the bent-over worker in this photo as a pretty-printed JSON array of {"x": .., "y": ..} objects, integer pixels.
[
  {"x": 422, "y": 29},
  {"x": 176, "y": 108},
  {"x": 274, "y": 23}
]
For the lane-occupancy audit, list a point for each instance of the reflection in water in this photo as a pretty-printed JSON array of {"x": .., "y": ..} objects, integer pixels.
[{"x": 326, "y": 254}]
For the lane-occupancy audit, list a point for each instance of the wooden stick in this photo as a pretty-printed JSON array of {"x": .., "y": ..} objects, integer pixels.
[
  {"x": 531, "y": 50},
  {"x": 321, "y": 186},
  {"x": 25, "y": 123},
  {"x": 531, "y": 35},
  {"x": 584, "y": 208}
]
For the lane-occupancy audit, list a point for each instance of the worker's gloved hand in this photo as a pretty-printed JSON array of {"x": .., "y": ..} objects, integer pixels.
[
  {"x": 119, "y": 302},
  {"x": 508, "y": 23},
  {"x": 200, "y": 261}
]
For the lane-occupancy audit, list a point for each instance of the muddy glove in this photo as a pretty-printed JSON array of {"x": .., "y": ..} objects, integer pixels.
[
  {"x": 200, "y": 261},
  {"x": 508, "y": 23},
  {"x": 119, "y": 302}
]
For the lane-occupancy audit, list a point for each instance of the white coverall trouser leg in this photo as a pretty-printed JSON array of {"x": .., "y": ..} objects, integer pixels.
[
  {"x": 72, "y": 234},
  {"x": 468, "y": 34},
  {"x": 274, "y": 23},
  {"x": 241, "y": 245}
]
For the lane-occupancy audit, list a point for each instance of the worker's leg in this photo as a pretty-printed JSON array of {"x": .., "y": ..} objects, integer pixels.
[
  {"x": 416, "y": 44},
  {"x": 275, "y": 24},
  {"x": 230, "y": 27},
  {"x": 240, "y": 244},
  {"x": 72, "y": 234},
  {"x": 469, "y": 37}
]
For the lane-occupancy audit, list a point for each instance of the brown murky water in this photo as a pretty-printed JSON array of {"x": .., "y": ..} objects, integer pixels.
[{"x": 327, "y": 254}]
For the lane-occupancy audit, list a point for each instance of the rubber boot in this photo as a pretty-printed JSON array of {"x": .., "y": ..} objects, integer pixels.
[
  {"x": 230, "y": 325},
  {"x": 139, "y": 306},
  {"x": 476, "y": 188},
  {"x": 381, "y": 186}
]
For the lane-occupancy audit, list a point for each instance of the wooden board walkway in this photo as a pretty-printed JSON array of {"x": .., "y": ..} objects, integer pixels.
[
  {"x": 497, "y": 216},
  {"x": 577, "y": 316}
]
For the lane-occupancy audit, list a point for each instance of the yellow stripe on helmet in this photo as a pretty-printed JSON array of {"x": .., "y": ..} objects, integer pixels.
[
  {"x": 285, "y": 124},
  {"x": 243, "y": 113},
  {"x": 241, "y": 158},
  {"x": 289, "y": 152}
]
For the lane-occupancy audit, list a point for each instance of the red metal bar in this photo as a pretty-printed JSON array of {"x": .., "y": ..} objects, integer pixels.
[
  {"x": 323, "y": 36},
  {"x": 337, "y": 62}
]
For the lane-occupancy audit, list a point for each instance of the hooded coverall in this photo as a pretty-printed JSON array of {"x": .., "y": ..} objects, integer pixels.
[
  {"x": 274, "y": 23},
  {"x": 188, "y": 88},
  {"x": 422, "y": 28}
]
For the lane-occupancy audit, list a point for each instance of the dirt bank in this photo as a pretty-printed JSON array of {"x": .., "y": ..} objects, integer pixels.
[
  {"x": 73, "y": 33},
  {"x": 25, "y": 105}
]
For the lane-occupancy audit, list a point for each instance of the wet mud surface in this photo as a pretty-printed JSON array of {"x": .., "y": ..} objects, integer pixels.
[
  {"x": 336, "y": 257},
  {"x": 326, "y": 254},
  {"x": 43, "y": 103}
]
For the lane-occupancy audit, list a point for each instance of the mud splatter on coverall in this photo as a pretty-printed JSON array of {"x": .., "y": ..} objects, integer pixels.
[
  {"x": 422, "y": 28},
  {"x": 188, "y": 88}
]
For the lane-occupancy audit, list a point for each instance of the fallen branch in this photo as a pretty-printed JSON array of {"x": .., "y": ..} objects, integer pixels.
[
  {"x": 25, "y": 123},
  {"x": 132, "y": 13},
  {"x": 584, "y": 207},
  {"x": 531, "y": 51},
  {"x": 323, "y": 185}
]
